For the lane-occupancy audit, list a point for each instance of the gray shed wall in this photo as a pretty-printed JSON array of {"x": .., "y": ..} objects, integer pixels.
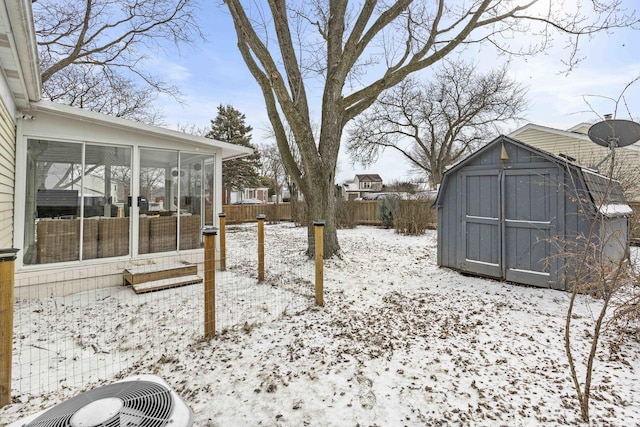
[{"x": 509, "y": 239}]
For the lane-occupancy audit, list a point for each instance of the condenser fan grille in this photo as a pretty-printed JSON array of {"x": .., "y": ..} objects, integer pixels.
[{"x": 144, "y": 404}]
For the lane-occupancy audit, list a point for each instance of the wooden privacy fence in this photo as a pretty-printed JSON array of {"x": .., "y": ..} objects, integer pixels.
[
  {"x": 237, "y": 214},
  {"x": 363, "y": 212}
]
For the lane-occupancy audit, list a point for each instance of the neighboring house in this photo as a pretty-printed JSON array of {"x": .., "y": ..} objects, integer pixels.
[
  {"x": 361, "y": 185},
  {"x": 84, "y": 195},
  {"x": 574, "y": 144},
  {"x": 257, "y": 193}
]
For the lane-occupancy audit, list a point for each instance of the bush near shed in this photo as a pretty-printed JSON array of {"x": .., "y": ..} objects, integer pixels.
[{"x": 414, "y": 217}]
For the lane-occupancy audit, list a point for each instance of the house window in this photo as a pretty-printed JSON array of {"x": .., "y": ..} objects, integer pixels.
[
  {"x": 173, "y": 186},
  {"x": 365, "y": 184},
  {"x": 79, "y": 196},
  {"x": 74, "y": 193}
]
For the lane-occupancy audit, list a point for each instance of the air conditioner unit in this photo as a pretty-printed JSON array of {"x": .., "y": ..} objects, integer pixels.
[{"x": 144, "y": 400}]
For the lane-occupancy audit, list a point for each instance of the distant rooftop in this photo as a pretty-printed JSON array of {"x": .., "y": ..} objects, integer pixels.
[{"x": 369, "y": 177}]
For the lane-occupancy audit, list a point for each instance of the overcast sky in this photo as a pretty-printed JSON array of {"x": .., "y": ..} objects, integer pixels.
[{"x": 214, "y": 73}]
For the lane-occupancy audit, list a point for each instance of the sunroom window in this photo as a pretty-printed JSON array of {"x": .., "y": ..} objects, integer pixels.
[
  {"x": 76, "y": 198},
  {"x": 79, "y": 199}
]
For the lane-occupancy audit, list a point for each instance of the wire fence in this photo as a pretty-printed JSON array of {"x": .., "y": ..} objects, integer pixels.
[
  {"x": 96, "y": 335},
  {"x": 287, "y": 287}
]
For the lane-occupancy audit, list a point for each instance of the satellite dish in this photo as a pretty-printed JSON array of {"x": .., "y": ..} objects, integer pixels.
[{"x": 614, "y": 133}]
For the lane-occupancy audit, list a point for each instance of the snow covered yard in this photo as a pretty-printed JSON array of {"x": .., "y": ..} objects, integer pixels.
[{"x": 399, "y": 342}]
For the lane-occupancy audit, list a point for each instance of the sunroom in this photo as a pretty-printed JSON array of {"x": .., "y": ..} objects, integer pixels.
[{"x": 93, "y": 190}]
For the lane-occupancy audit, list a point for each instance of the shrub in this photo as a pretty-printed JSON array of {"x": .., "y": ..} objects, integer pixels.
[
  {"x": 272, "y": 214},
  {"x": 386, "y": 211},
  {"x": 346, "y": 214},
  {"x": 298, "y": 212},
  {"x": 414, "y": 217}
]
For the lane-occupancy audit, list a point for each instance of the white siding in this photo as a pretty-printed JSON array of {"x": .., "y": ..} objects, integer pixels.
[
  {"x": 586, "y": 153},
  {"x": 7, "y": 175}
]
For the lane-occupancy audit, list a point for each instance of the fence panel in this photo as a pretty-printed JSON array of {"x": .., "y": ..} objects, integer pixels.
[
  {"x": 365, "y": 211},
  {"x": 91, "y": 336},
  {"x": 237, "y": 214},
  {"x": 63, "y": 344},
  {"x": 288, "y": 285}
]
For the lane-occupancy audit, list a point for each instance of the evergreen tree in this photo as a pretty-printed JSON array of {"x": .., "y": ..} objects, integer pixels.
[{"x": 229, "y": 126}]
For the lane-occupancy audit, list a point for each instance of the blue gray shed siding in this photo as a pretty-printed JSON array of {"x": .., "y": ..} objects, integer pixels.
[{"x": 479, "y": 233}]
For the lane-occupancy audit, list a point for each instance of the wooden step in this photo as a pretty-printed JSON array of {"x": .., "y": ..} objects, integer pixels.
[
  {"x": 154, "y": 272},
  {"x": 171, "y": 282}
]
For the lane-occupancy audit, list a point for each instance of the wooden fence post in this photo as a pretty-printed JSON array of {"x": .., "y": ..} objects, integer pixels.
[
  {"x": 7, "y": 269},
  {"x": 261, "y": 219},
  {"x": 319, "y": 250},
  {"x": 209, "y": 282},
  {"x": 223, "y": 241}
]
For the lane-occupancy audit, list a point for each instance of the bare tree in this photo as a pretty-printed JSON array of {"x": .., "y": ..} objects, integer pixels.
[
  {"x": 360, "y": 50},
  {"x": 92, "y": 52},
  {"x": 594, "y": 266},
  {"x": 272, "y": 167},
  {"x": 104, "y": 91},
  {"x": 434, "y": 124},
  {"x": 612, "y": 280}
]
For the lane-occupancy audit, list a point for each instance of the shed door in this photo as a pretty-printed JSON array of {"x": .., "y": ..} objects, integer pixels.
[
  {"x": 530, "y": 204},
  {"x": 480, "y": 238}
]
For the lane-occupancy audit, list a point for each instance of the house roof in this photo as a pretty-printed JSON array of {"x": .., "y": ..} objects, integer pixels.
[
  {"x": 582, "y": 128},
  {"x": 568, "y": 133},
  {"x": 606, "y": 194},
  {"x": 19, "y": 53},
  {"x": 574, "y": 132},
  {"x": 229, "y": 151},
  {"x": 369, "y": 177}
]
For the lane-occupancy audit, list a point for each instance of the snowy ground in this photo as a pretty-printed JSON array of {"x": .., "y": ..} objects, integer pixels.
[{"x": 399, "y": 342}]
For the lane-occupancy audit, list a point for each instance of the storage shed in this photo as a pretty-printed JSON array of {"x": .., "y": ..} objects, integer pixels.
[{"x": 501, "y": 209}]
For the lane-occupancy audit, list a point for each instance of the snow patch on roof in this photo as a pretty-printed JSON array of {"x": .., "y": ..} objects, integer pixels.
[{"x": 615, "y": 209}]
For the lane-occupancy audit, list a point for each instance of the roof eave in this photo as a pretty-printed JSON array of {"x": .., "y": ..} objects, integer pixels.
[
  {"x": 25, "y": 49},
  {"x": 229, "y": 151}
]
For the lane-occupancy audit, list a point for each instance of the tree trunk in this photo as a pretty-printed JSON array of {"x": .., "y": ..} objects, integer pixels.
[
  {"x": 321, "y": 205},
  {"x": 320, "y": 195}
]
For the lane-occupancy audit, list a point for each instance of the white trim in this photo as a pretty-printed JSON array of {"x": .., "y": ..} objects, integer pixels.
[
  {"x": 538, "y": 273},
  {"x": 482, "y": 262},
  {"x": 19, "y": 192},
  {"x": 228, "y": 150},
  {"x": 22, "y": 38}
]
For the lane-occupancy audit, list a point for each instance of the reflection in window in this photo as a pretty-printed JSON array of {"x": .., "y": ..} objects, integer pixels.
[
  {"x": 106, "y": 184},
  {"x": 78, "y": 201},
  {"x": 60, "y": 191},
  {"x": 208, "y": 191},
  {"x": 158, "y": 181},
  {"x": 193, "y": 183}
]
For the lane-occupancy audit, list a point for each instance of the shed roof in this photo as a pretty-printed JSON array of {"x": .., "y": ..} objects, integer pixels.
[{"x": 606, "y": 194}]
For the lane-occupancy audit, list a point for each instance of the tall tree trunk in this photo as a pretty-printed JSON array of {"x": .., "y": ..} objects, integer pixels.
[
  {"x": 321, "y": 205},
  {"x": 321, "y": 195}
]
